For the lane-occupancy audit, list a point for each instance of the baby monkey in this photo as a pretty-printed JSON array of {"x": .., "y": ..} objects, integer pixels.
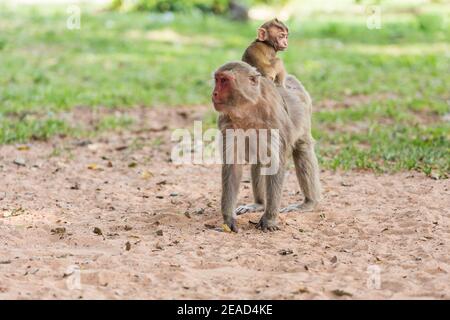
[{"x": 261, "y": 54}]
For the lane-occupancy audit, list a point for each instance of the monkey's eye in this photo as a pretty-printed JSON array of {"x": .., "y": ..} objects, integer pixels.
[{"x": 223, "y": 80}]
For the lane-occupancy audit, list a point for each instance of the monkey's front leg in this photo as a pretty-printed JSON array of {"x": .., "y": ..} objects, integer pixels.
[
  {"x": 280, "y": 77},
  {"x": 274, "y": 186},
  {"x": 231, "y": 177}
]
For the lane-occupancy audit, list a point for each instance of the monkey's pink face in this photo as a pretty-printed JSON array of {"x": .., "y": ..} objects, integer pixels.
[{"x": 223, "y": 88}]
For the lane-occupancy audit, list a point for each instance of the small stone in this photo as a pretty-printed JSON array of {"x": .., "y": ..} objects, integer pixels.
[
  {"x": 285, "y": 252},
  {"x": 98, "y": 231},
  {"x": 75, "y": 186},
  {"x": 59, "y": 230},
  {"x": 20, "y": 162},
  {"x": 199, "y": 211}
]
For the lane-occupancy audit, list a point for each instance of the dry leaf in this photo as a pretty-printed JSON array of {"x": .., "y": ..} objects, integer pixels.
[
  {"x": 146, "y": 174},
  {"x": 92, "y": 166},
  {"x": 132, "y": 165},
  {"x": 23, "y": 147},
  {"x": 226, "y": 228},
  {"x": 341, "y": 293},
  {"x": 14, "y": 212}
]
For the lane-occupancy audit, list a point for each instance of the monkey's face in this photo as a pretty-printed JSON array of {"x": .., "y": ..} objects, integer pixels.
[
  {"x": 275, "y": 34},
  {"x": 279, "y": 36},
  {"x": 222, "y": 95},
  {"x": 235, "y": 87}
]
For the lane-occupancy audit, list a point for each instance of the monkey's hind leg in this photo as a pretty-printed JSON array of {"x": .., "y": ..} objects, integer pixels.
[
  {"x": 307, "y": 171},
  {"x": 258, "y": 192},
  {"x": 274, "y": 185}
]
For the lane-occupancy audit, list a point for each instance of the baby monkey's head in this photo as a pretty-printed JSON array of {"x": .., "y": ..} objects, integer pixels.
[{"x": 274, "y": 33}]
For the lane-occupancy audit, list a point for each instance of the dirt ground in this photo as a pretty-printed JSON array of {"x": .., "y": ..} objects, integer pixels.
[{"x": 112, "y": 218}]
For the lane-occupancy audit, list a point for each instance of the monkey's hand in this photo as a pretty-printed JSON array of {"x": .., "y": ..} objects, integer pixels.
[
  {"x": 249, "y": 208},
  {"x": 281, "y": 83},
  {"x": 266, "y": 224},
  {"x": 303, "y": 207}
]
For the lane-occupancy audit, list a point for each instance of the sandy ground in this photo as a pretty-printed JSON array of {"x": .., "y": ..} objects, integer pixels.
[{"x": 112, "y": 218}]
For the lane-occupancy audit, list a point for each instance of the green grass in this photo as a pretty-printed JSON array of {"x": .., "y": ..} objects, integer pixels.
[{"x": 390, "y": 87}]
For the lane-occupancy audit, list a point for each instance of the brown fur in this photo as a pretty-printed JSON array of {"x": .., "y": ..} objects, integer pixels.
[
  {"x": 262, "y": 52},
  {"x": 270, "y": 107}
]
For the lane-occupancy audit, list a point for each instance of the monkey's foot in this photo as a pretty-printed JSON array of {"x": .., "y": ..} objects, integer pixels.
[
  {"x": 232, "y": 225},
  {"x": 267, "y": 225},
  {"x": 303, "y": 207},
  {"x": 249, "y": 208}
]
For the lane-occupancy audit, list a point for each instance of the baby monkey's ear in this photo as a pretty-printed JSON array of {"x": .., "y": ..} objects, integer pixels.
[{"x": 262, "y": 34}]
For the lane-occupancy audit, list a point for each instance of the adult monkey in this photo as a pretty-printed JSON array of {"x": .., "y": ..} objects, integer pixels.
[{"x": 245, "y": 100}]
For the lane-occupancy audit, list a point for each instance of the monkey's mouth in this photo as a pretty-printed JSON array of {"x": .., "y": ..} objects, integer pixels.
[{"x": 219, "y": 106}]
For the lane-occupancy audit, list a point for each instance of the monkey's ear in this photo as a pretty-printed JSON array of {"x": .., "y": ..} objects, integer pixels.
[{"x": 262, "y": 34}]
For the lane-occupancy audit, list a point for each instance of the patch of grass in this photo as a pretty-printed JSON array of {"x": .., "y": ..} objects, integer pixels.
[
  {"x": 32, "y": 129},
  {"x": 385, "y": 149},
  {"x": 114, "y": 122},
  {"x": 43, "y": 127}
]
